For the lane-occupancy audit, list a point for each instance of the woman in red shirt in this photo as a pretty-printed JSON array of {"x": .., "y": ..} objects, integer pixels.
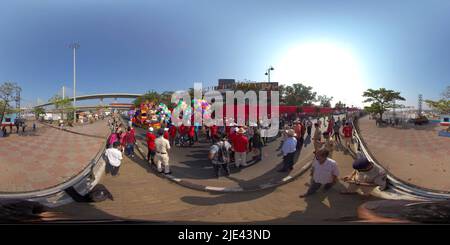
[
  {"x": 347, "y": 130},
  {"x": 151, "y": 145}
]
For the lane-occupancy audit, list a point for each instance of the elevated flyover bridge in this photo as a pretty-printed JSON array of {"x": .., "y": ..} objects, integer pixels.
[{"x": 114, "y": 96}]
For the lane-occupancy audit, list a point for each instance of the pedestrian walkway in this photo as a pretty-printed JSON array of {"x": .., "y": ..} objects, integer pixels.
[
  {"x": 140, "y": 195},
  {"x": 47, "y": 157},
  {"x": 191, "y": 167},
  {"x": 416, "y": 155}
]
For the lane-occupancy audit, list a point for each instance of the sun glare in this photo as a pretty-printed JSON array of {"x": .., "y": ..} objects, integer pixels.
[{"x": 328, "y": 68}]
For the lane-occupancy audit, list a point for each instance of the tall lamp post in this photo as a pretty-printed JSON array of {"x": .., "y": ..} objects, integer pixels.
[
  {"x": 74, "y": 47},
  {"x": 268, "y": 72}
]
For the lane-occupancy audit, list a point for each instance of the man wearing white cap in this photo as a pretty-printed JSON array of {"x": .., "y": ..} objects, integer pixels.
[
  {"x": 240, "y": 146},
  {"x": 288, "y": 149},
  {"x": 151, "y": 145}
]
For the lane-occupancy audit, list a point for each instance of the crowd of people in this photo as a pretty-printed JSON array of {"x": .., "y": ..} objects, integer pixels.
[
  {"x": 121, "y": 140},
  {"x": 229, "y": 143},
  {"x": 232, "y": 144}
]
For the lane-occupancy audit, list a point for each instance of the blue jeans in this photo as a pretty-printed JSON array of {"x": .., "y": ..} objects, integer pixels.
[{"x": 129, "y": 149}]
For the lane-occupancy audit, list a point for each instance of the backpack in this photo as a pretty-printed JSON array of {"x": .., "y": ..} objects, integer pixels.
[{"x": 223, "y": 155}]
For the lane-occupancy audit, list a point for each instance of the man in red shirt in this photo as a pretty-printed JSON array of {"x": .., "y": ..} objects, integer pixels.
[
  {"x": 166, "y": 133},
  {"x": 213, "y": 130},
  {"x": 240, "y": 146},
  {"x": 347, "y": 130},
  {"x": 330, "y": 125},
  {"x": 172, "y": 134},
  {"x": 191, "y": 134},
  {"x": 151, "y": 145},
  {"x": 130, "y": 140}
]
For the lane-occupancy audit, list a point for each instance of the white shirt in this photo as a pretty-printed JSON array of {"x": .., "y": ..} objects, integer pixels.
[
  {"x": 114, "y": 156},
  {"x": 323, "y": 173},
  {"x": 162, "y": 145},
  {"x": 289, "y": 146}
]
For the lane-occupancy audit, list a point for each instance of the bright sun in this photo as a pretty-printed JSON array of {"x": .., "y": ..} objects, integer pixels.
[{"x": 329, "y": 69}]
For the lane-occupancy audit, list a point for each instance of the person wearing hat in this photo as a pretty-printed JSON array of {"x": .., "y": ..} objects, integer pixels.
[
  {"x": 166, "y": 133},
  {"x": 288, "y": 149},
  {"x": 324, "y": 172},
  {"x": 162, "y": 147},
  {"x": 240, "y": 147},
  {"x": 365, "y": 177},
  {"x": 151, "y": 137}
]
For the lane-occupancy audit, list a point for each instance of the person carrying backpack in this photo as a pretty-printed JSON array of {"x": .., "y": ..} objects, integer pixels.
[{"x": 219, "y": 154}]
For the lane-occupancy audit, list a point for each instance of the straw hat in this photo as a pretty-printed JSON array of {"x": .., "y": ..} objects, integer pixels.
[
  {"x": 241, "y": 131},
  {"x": 291, "y": 133},
  {"x": 166, "y": 129}
]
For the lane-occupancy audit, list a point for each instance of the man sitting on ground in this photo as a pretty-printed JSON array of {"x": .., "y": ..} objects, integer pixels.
[
  {"x": 324, "y": 172},
  {"x": 365, "y": 177}
]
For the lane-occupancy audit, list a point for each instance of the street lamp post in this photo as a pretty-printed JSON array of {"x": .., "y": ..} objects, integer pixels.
[
  {"x": 268, "y": 72},
  {"x": 74, "y": 47}
]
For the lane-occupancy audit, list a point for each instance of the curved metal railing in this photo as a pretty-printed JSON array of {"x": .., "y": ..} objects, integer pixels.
[
  {"x": 396, "y": 183},
  {"x": 86, "y": 172}
]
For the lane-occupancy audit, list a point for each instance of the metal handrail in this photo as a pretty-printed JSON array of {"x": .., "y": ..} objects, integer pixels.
[
  {"x": 49, "y": 191},
  {"x": 395, "y": 182}
]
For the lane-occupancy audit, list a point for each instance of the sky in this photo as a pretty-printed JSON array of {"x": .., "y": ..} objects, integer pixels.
[{"x": 340, "y": 48}]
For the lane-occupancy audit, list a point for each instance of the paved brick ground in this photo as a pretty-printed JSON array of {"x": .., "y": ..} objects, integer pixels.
[
  {"x": 141, "y": 195},
  {"x": 47, "y": 157},
  {"x": 191, "y": 164},
  {"x": 416, "y": 155}
]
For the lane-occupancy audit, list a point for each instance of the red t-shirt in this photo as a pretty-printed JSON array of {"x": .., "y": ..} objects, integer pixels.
[
  {"x": 347, "y": 130},
  {"x": 181, "y": 129},
  {"x": 129, "y": 138},
  {"x": 298, "y": 130},
  {"x": 172, "y": 131},
  {"x": 228, "y": 130},
  {"x": 151, "y": 141},
  {"x": 191, "y": 131},
  {"x": 213, "y": 130},
  {"x": 232, "y": 136},
  {"x": 240, "y": 143},
  {"x": 330, "y": 126},
  {"x": 166, "y": 135}
]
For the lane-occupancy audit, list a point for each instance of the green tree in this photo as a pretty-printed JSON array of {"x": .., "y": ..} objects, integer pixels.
[
  {"x": 297, "y": 94},
  {"x": 62, "y": 105},
  {"x": 151, "y": 96},
  {"x": 382, "y": 99},
  {"x": 324, "y": 100},
  {"x": 166, "y": 98},
  {"x": 38, "y": 111},
  {"x": 442, "y": 105},
  {"x": 8, "y": 92},
  {"x": 339, "y": 105}
]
